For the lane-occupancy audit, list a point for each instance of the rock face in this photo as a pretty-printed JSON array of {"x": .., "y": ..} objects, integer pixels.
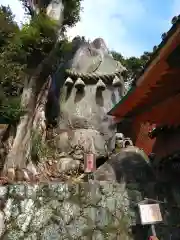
[
  {"x": 61, "y": 211},
  {"x": 130, "y": 165},
  {"x": 93, "y": 84},
  {"x": 82, "y": 211}
]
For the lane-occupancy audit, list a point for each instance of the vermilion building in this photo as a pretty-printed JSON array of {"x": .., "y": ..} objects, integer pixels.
[{"x": 150, "y": 112}]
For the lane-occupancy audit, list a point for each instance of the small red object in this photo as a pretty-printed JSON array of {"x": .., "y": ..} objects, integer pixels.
[
  {"x": 153, "y": 238},
  {"x": 89, "y": 163}
]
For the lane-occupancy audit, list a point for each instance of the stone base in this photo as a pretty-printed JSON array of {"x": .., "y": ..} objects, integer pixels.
[
  {"x": 88, "y": 139},
  {"x": 65, "y": 211}
]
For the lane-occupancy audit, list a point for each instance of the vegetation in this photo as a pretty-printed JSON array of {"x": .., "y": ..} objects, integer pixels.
[
  {"x": 133, "y": 64},
  {"x": 71, "y": 14},
  {"x": 28, "y": 57},
  {"x": 40, "y": 150},
  {"x": 23, "y": 49},
  {"x": 10, "y": 71}
]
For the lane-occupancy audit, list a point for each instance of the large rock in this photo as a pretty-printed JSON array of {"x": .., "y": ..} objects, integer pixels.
[
  {"x": 67, "y": 164},
  {"x": 129, "y": 165},
  {"x": 87, "y": 93}
]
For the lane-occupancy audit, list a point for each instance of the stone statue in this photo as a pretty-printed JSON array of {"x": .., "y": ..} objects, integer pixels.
[
  {"x": 122, "y": 142},
  {"x": 93, "y": 85}
]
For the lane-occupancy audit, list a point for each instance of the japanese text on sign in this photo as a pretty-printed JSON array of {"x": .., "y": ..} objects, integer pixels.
[{"x": 150, "y": 213}]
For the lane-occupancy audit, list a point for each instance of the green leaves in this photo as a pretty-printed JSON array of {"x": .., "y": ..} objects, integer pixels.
[
  {"x": 8, "y": 28},
  {"x": 27, "y": 48},
  {"x": 72, "y": 9},
  {"x": 22, "y": 50},
  {"x": 132, "y": 64},
  {"x": 37, "y": 39},
  {"x": 10, "y": 110}
]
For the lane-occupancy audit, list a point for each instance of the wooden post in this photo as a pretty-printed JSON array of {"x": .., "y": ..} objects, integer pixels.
[{"x": 153, "y": 230}]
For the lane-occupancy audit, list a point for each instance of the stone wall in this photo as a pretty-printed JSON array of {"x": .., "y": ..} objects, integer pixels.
[
  {"x": 66, "y": 211},
  {"x": 62, "y": 211}
]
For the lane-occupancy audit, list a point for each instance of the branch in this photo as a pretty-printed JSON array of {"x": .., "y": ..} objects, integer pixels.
[{"x": 28, "y": 7}]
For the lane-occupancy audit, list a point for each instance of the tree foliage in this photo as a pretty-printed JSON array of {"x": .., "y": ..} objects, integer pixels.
[
  {"x": 9, "y": 71},
  {"x": 71, "y": 13},
  {"x": 119, "y": 57},
  {"x": 72, "y": 10},
  {"x": 21, "y": 52},
  {"x": 35, "y": 41},
  {"x": 133, "y": 64},
  {"x": 8, "y": 28},
  {"x": 23, "y": 49}
]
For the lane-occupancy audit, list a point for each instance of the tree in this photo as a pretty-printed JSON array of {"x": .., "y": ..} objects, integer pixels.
[
  {"x": 22, "y": 51},
  {"x": 34, "y": 51},
  {"x": 71, "y": 13},
  {"x": 146, "y": 57},
  {"x": 118, "y": 57},
  {"x": 8, "y": 27},
  {"x": 72, "y": 9},
  {"x": 133, "y": 64},
  {"x": 9, "y": 71}
]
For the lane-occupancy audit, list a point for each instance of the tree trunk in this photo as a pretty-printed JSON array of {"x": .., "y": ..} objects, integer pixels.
[
  {"x": 19, "y": 151},
  {"x": 32, "y": 101},
  {"x": 39, "y": 122}
]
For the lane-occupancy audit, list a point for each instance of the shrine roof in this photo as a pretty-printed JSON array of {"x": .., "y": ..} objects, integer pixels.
[
  {"x": 158, "y": 80},
  {"x": 165, "y": 36}
]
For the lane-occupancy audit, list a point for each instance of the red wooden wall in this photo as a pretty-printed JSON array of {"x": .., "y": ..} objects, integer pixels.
[
  {"x": 162, "y": 146},
  {"x": 142, "y": 139}
]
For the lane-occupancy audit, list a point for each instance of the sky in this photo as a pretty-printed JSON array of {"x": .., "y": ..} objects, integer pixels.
[{"x": 129, "y": 27}]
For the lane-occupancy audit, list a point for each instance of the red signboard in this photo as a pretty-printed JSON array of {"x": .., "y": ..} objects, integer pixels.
[{"x": 89, "y": 163}]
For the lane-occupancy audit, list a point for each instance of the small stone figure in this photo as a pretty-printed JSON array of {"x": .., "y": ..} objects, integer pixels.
[
  {"x": 119, "y": 142},
  {"x": 122, "y": 142}
]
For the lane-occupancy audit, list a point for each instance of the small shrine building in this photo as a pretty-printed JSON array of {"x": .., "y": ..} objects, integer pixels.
[{"x": 150, "y": 112}]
